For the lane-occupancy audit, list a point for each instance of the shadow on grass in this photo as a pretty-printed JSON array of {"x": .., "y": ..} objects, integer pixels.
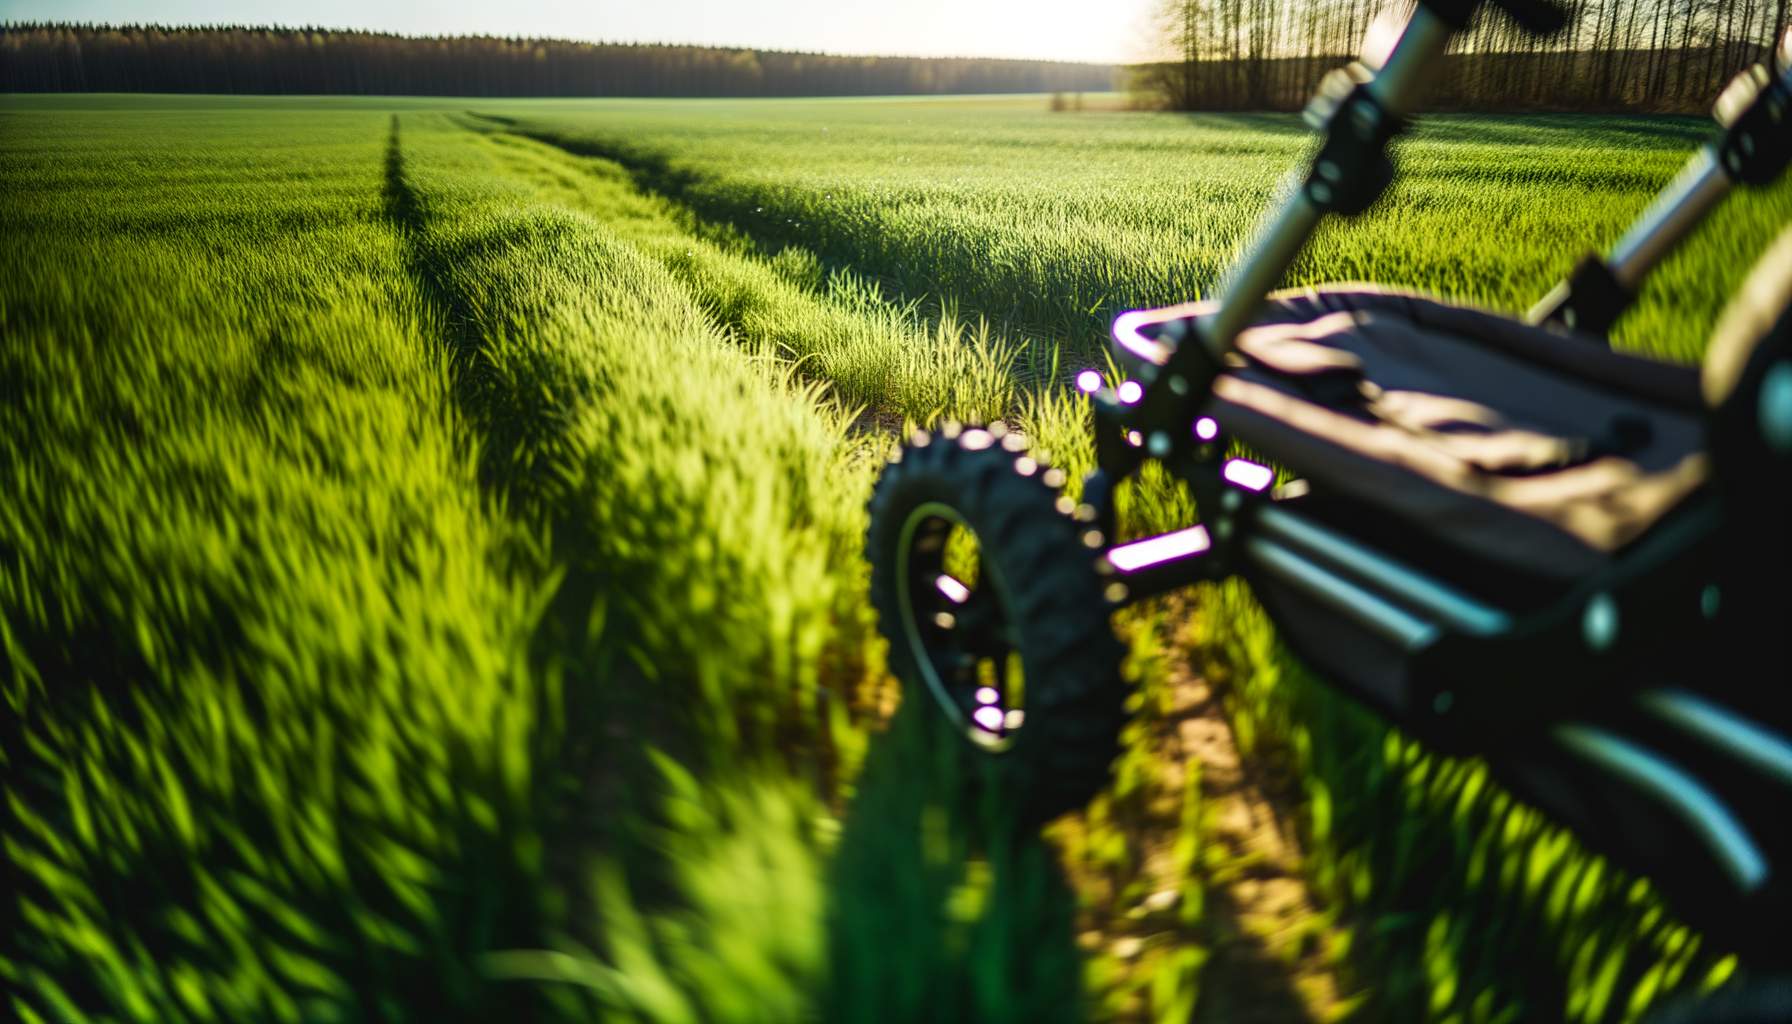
[
  {"x": 942, "y": 909},
  {"x": 1253, "y": 123},
  {"x": 1593, "y": 130},
  {"x": 1245, "y": 982}
]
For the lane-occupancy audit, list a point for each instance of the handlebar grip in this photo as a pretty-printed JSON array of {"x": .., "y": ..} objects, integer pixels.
[{"x": 1538, "y": 17}]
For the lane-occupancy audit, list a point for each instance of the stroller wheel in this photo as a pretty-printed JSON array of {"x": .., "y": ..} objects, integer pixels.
[{"x": 989, "y": 598}]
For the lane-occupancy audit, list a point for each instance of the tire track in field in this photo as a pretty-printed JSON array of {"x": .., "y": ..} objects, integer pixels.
[
  {"x": 653, "y": 175},
  {"x": 1274, "y": 958},
  {"x": 600, "y": 784},
  {"x": 910, "y": 902},
  {"x": 875, "y": 424},
  {"x": 404, "y": 211}
]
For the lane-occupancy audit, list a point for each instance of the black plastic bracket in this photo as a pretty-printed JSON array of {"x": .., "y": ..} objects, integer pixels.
[
  {"x": 1589, "y": 302},
  {"x": 1172, "y": 395},
  {"x": 1115, "y": 457},
  {"x": 1352, "y": 168},
  {"x": 1756, "y": 112},
  {"x": 1538, "y": 17}
]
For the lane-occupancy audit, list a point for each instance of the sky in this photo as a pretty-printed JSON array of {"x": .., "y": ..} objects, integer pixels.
[{"x": 1088, "y": 30}]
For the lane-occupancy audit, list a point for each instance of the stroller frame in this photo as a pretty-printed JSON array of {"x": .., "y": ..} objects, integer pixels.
[
  {"x": 1457, "y": 639},
  {"x": 1472, "y": 665},
  {"x": 1472, "y": 682}
]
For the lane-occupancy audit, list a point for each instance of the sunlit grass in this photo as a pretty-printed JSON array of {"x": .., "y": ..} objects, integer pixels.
[
  {"x": 266, "y": 643},
  {"x": 430, "y": 578},
  {"x": 1053, "y": 223}
]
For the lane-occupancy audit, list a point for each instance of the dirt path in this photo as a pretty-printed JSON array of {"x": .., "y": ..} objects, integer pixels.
[
  {"x": 1274, "y": 956},
  {"x": 1261, "y": 943}
]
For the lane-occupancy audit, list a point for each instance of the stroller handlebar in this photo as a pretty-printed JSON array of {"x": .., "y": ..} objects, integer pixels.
[
  {"x": 1538, "y": 17},
  {"x": 1751, "y": 148},
  {"x": 1360, "y": 115}
]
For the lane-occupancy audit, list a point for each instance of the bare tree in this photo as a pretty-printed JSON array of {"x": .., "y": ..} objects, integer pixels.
[{"x": 1668, "y": 55}]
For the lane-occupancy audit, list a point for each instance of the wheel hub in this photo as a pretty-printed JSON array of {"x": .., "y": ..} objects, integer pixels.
[{"x": 958, "y": 628}]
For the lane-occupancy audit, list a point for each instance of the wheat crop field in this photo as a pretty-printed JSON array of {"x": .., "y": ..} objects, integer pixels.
[{"x": 431, "y": 577}]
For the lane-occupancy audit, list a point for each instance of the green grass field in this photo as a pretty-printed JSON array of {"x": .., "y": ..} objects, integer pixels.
[{"x": 430, "y": 582}]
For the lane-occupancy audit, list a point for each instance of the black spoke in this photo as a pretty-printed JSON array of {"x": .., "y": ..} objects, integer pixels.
[
  {"x": 970, "y": 640},
  {"x": 983, "y": 626}
]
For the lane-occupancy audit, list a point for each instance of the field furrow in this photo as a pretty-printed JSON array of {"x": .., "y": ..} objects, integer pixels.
[
  {"x": 835, "y": 327},
  {"x": 1051, "y": 224}
]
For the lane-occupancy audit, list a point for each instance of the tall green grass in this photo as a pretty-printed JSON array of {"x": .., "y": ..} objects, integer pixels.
[
  {"x": 1052, "y": 223},
  {"x": 430, "y": 579},
  {"x": 703, "y": 510},
  {"x": 835, "y": 326},
  {"x": 426, "y": 595},
  {"x": 272, "y": 734}
]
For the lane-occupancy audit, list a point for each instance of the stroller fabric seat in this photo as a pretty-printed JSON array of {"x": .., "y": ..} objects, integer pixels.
[{"x": 1528, "y": 457}]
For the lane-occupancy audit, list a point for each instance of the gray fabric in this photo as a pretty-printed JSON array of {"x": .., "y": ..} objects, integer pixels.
[{"x": 1443, "y": 420}]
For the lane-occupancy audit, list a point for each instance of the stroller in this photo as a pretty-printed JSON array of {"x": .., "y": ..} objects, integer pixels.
[{"x": 1506, "y": 538}]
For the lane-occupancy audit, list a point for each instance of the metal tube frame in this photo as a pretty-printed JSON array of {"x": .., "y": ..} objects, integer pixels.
[
  {"x": 1448, "y": 636},
  {"x": 1397, "y": 89},
  {"x": 1599, "y": 291},
  {"x": 1675, "y": 212},
  {"x": 1462, "y": 651},
  {"x": 1468, "y": 667},
  {"x": 1359, "y": 125}
]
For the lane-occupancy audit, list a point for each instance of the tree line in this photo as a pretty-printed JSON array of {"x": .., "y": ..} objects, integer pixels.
[
  {"x": 153, "y": 58},
  {"x": 1644, "y": 55}
]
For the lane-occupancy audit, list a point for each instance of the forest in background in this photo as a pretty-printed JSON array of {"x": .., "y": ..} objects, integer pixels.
[
  {"x": 1639, "y": 55},
  {"x": 1670, "y": 56},
  {"x": 152, "y": 58}
]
